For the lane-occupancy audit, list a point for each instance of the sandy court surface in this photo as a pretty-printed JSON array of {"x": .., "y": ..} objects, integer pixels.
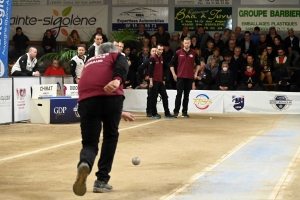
[{"x": 39, "y": 161}]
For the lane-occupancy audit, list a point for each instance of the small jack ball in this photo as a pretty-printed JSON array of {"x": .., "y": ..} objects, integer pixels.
[
  {"x": 210, "y": 118},
  {"x": 136, "y": 160}
]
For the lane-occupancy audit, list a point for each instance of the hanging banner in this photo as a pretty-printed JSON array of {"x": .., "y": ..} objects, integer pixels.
[
  {"x": 5, "y": 12},
  {"x": 6, "y": 100},
  {"x": 29, "y": 2},
  {"x": 282, "y": 19},
  {"x": 75, "y": 2},
  {"x": 213, "y": 19},
  {"x": 135, "y": 2},
  {"x": 203, "y": 2},
  {"x": 22, "y": 96},
  {"x": 61, "y": 20},
  {"x": 269, "y": 2},
  {"x": 131, "y": 17}
]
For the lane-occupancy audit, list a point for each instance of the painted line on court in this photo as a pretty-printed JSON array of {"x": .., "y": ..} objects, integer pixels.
[
  {"x": 71, "y": 142},
  {"x": 208, "y": 169}
]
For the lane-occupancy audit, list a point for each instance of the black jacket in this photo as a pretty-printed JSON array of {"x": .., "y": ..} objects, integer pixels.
[
  {"x": 20, "y": 41},
  {"x": 49, "y": 42}
]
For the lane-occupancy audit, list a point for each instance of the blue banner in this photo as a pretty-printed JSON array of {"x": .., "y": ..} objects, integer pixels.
[
  {"x": 63, "y": 111},
  {"x": 5, "y": 11}
]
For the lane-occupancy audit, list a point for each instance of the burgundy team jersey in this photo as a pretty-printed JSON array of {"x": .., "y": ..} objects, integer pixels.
[{"x": 98, "y": 72}]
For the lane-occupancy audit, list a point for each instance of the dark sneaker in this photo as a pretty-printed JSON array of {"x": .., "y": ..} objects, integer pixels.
[
  {"x": 169, "y": 116},
  {"x": 101, "y": 187},
  {"x": 79, "y": 187},
  {"x": 175, "y": 114},
  {"x": 185, "y": 115},
  {"x": 149, "y": 115},
  {"x": 157, "y": 116}
]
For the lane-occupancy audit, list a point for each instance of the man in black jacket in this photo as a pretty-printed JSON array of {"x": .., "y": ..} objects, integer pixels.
[
  {"x": 20, "y": 43},
  {"x": 94, "y": 49},
  {"x": 203, "y": 79},
  {"x": 292, "y": 43}
]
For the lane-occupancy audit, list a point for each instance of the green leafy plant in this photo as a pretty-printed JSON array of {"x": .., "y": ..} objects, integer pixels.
[{"x": 124, "y": 36}]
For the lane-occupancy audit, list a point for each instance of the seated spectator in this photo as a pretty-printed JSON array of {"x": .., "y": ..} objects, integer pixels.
[
  {"x": 280, "y": 63},
  {"x": 202, "y": 37},
  {"x": 145, "y": 44},
  {"x": 218, "y": 43},
  {"x": 230, "y": 48},
  {"x": 233, "y": 38},
  {"x": 208, "y": 51},
  {"x": 49, "y": 42},
  {"x": 250, "y": 80},
  {"x": 250, "y": 61},
  {"x": 212, "y": 66},
  {"x": 216, "y": 55},
  {"x": 73, "y": 40},
  {"x": 292, "y": 43},
  {"x": 261, "y": 44},
  {"x": 278, "y": 44},
  {"x": 238, "y": 33},
  {"x": 265, "y": 66},
  {"x": 232, "y": 67},
  {"x": 271, "y": 56},
  {"x": 239, "y": 61},
  {"x": 226, "y": 35},
  {"x": 199, "y": 53},
  {"x": 224, "y": 79},
  {"x": 20, "y": 43},
  {"x": 153, "y": 41},
  {"x": 26, "y": 65},
  {"x": 161, "y": 35},
  {"x": 295, "y": 81},
  {"x": 99, "y": 32},
  {"x": 174, "y": 42},
  {"x": 203, "y": 80},
  {"x": 193, "y": 42},
  {"x": 247, "y": 45},
  {"x": 255, "y": 36},
  {"x": 289, "y": 81},
  {"x": 272, "y": 34},
  {"x": 184, "y": 33},
  {"x": 55, "y": 70}
]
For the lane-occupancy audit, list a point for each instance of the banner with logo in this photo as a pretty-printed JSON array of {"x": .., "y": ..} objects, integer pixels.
[
  {"x": 269, "y": 2},
  {"x": 203, "y": 2},
  {"x": 71, "y": 90},
  {"x": 5, "y": 12},
  {"x": 22, "y": 96},
  {"x": 6, "y": 100},
  {"x": 282, "y": 19},
  {"x": 44, "y": 90},
  {"x": 131, "y": 17},
  {"x": 63, "y": 111},
  {"x": 54, "y": 80},
  {"x": 135, "y": 2},
  {"x": 203, "y": 101},
  {"x": 60, "y": 19},
  {"x": 212, "y": 18}
]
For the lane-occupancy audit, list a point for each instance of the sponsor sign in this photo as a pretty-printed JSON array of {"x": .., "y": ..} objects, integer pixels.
[
  {"x": 135, "y": 2},
  {"x": 269, "y": 2},
  {"x": 6, "y": 100},
  {"x": 203, "y": 2},
  {"x": 71, "y": 90},
  {"x": 45, "y": 90},
  {"x": 61, "y": 20},
  {"x": 282, "y": 19},
  {"x": 5, "y": 12},
  {"x": 239, "y": 101},
  {"x": 212, "y": 18},
  {"x": 281, "y": 102},
  {"x": 63, "y": 111},
  {"x": 131, "y": 17}
]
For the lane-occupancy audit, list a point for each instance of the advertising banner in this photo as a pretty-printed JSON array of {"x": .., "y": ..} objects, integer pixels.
[
  {"x": 6, "y": 100},
  {"x": 75, "y": 2},
  {"x": 54, "y": 80},
  {"x": 212, "y": 18},
  {"x": 203, "y": 2},
  {"x": 130, "y": 17},
  {"x": 71, "y": 90},
  {"x": 22, "y": 96},
  {"x": 45, "y": 90},
  {"x": 5, "y": 12},
  {"x": 203, "y": 101},
  {"x": 63, "y": 111},
  {"x": 282, "y": 19},
  {"x": 135, "y": 2},
  {"x": 60, "y": 19},
  {"x": 269, "y": 2}
]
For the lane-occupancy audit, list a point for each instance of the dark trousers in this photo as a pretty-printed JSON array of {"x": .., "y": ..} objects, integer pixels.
[
  {"x": 19, "y": 73},
  {"x": 184, "y": 86},
  {"x": 244, "y": 87},
  {"x": 148, "y": 109},
  {"x": 159, "y": 88},
  {"x": 93, "y": 113}
]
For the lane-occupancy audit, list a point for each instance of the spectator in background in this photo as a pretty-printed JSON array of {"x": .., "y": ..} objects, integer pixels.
[
  {"x": 280, "y": 63},
  {"x": 55, "y": 69},
  {"x": 226, "y": 35},
  {"x": 161, "y": 35},
  {"x": 143, "y": 56},
  {"x": 271, "y": 56},
  {"x": 77, "y": 63},
  {"x": 73, "y": 40},
  {"x": 20, "y": 43},
  {"x": 230, "y": 48},
  {"x": 213, "y": 68},
  {"x": 167, "y": 56},
  {"x": 261, "y": 44},
  {"x": 49, "y": 42},
  {"x": 194, "y": 42},
  {"x": 145, "y": 44},
  {"x": 255, "y": 36},
  {"x": 292, "y": 44},
  {"x": 265, "y": 65},
  {"x": 130, "y": 83},
  {"x": 233, "y": 37},
  {"x": 153, "y": 41},
  {"x": 239, "y": 61},
  {"x": 250, "y": 80},
  {"x": 184, "y": 33},
  {"x": 208, "y": 50},
  {"x": 224, "y": 79},
  {"x": 238, "y": 32},
  {"x": 202, "y": 37},
  {"x": 203, "y": 79},
  {"x": 271, "y": 35},
  {"x": 278, "y": 44},
  {"x": 247, "y": 45},
  {"x": 99, "y": 32},
  {"x": 174, "y": 42},
  {"x": 217, "y": 42},
  {"x": 141, "y": 35},
  {"x": 199, "y": 53},
  {"x": 26, "y": 65},
  {"x": 216, "y": 55},
  {"x": 94, "y": 49}
]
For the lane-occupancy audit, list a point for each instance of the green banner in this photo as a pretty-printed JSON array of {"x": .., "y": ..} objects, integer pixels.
[{"x": 212, "y": 18}]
